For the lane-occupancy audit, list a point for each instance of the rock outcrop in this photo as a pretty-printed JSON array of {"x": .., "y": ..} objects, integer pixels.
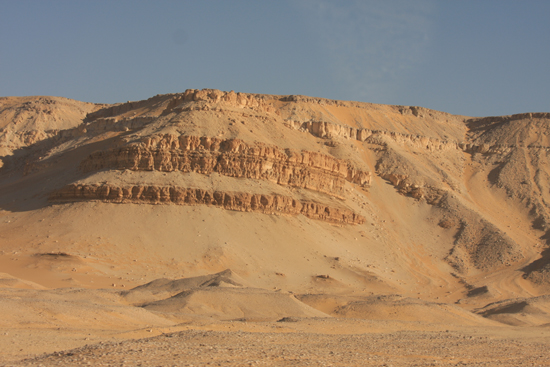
[
  {"x": 328, "y": 130},
  {"x": 239, "y": 100},
  {"x": 406, "y": 187},
  {"x": 233, "y": 158},
  {"x": 238, "y": 201}
]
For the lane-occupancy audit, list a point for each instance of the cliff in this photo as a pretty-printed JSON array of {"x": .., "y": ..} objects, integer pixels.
[
  {"x": 238, "y": 201},
  {"x": 233, "y": 158}
]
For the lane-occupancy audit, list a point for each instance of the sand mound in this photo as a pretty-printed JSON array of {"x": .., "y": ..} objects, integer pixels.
[
  {"x": 251, "y": 304},
  {"x": 533, "y": 311},
  {"x": 392, "y": 307},
  {"x": 160, "y": 289},
  {"x": 221, "y": 295},
  {"x": 71, "y": 308}
]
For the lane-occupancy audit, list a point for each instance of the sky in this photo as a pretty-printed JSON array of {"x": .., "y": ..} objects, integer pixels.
[{"x": 467, "y": 57}]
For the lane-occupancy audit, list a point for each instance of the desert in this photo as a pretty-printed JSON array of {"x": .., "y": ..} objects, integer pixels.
[{"x": 224, "y": 228}]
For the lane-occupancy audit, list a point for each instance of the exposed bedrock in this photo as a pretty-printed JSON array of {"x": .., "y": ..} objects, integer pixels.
[
  {"x": 329, "y": 130},
  {"x": 239, "y": 100},
  {"x": 407, "y": 187},
  {"x": 239, "y": 201},
  {"x": 233, "y": 158}
]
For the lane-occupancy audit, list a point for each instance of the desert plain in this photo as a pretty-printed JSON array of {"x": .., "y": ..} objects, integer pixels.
[{"x": 223, "y": 228}]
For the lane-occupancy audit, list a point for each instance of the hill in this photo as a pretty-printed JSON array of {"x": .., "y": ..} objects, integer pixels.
[{"x": 319, "y": 208}]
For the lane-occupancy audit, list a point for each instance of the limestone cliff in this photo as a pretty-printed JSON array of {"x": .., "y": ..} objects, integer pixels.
[
  {"x": 233, "y": 158},
  {"x": 238, "y": 201}
]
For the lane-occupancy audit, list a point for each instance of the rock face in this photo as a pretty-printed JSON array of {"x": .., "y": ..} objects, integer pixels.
[
  {"x": 233, "y": 158},
  {"x": 239, "y": 201}
]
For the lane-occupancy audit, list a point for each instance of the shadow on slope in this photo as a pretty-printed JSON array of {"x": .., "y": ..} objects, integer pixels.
[
  {"x": 32, "y": 173},
  {"x": 533, "y": 311},
  {"x": 539, "y": 270}
]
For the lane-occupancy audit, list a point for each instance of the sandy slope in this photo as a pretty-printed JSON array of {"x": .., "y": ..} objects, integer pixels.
[
  {"x": 27, "y": 120},
  {"x": 453, "y": 233}
]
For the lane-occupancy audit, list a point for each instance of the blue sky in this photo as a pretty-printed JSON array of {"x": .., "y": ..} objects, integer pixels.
[{"x": 469, "y": 57}]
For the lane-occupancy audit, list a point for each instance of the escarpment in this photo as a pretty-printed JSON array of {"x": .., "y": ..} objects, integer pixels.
[
  {"x": 398, "y": 181},
  {"x": 323, "y": 129},
  {"x": 381, "y": 138},
  {"x": 233, "y": 158},
  {"x": 238, "y": 201},
  {"x": 239, "y": 100}
]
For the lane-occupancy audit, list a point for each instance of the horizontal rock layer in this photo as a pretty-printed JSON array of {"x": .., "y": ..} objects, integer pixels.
[
  {"x": 328, "y": 130},
  {"x": 239, "y": 201},
  {"x": 233, "y": 158}
]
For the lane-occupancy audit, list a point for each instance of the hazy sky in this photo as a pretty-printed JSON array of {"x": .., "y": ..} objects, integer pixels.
[{"x": 470, "y": 57}]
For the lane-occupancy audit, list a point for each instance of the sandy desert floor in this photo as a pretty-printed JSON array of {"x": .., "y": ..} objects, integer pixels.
[
  {"x": 72, "y": 326},
  {"x": 311, "y": 342}
]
